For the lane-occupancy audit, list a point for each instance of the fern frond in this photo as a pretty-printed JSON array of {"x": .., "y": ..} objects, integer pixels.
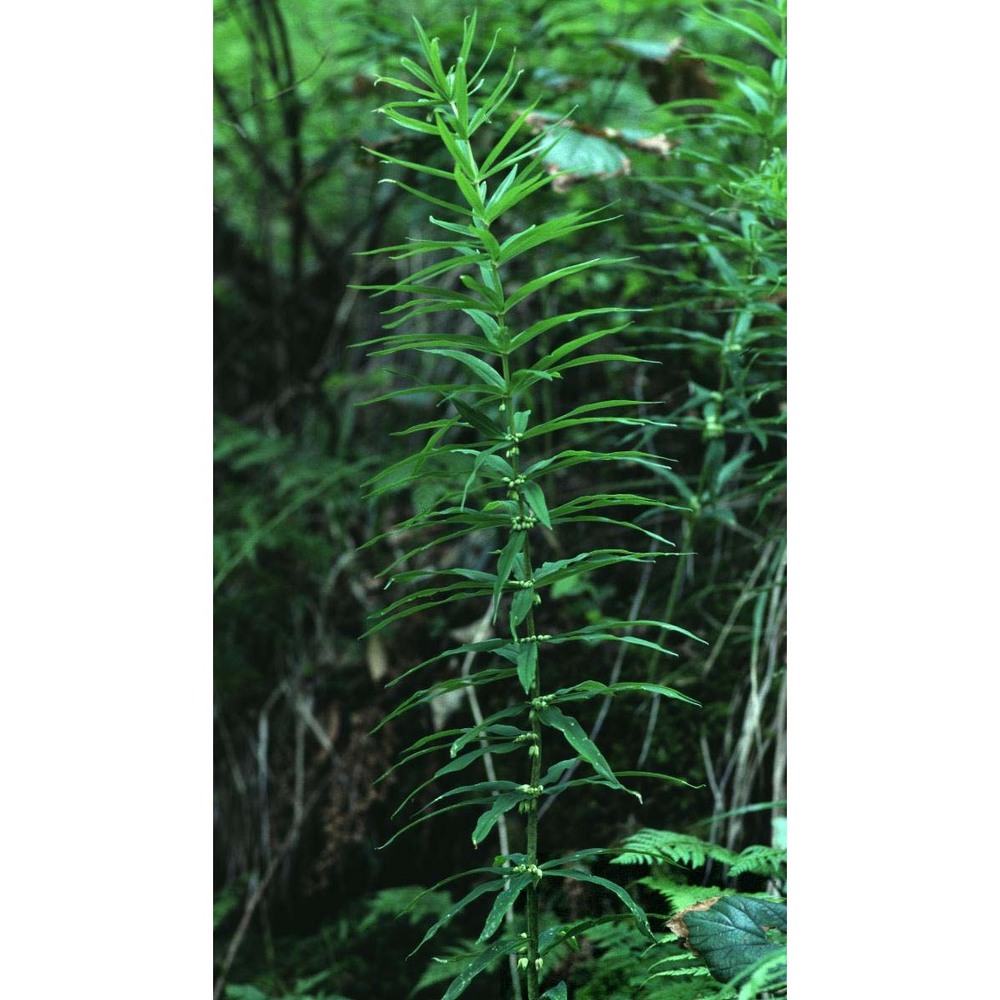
[
  {"x": 760, "y": 859},
  {"x": 680, "y": 895},
  {"x": 653, "y": 847}
]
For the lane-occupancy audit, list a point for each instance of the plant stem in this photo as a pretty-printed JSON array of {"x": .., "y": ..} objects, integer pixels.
[{"x": 532, "y": 972}]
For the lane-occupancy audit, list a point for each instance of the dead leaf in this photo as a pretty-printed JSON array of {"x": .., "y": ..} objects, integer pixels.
[
  {"x": 676, "y": 922},
  {"x": 377, "y": 658}
]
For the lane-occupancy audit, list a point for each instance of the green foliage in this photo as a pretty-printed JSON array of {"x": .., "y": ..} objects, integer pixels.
[
  {"x": 737, "y": 939},
  {"x": 676, "y": 117},
  {"x": 378, "y": 930},
  {"x": 489, "y": 486},
  {"x": 225, "y": 902},
  {"x": 302, "y": 990},
  {"x": 665, "y": 851},
  {"x": 619, "y": 964},
  {"x": 650, "y": 847},
  {"x": 732, "y": 936}
]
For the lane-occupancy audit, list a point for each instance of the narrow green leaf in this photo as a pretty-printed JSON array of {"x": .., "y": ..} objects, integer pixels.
[
  {"x": 504, "y": 901},
  {"x": 457, "y": 908},
  {"x": 758, "y": 29},
  {"x": 487, "y": 725},
  {"x": 670, "y": 779},
  {"x": 424, "y": 196},
  {"x": 586, "y": 562},
  {"x": 520, "y": 606},
  {"x": 504, "y": 141},
  {"x": 461, "y": 91},
  {"x": 487, "y": 294},
  {"x": 581, "y": 743},
  {"x": 487, "y": 373},
  {"x": 476, "y": 233},
  {"x": 589, "y": 852},
  {"x": 430, "y": 816},
  {"x": 544, "y": 325},
  {"x": 501, "y": 189},
  {"x": 501, "y": 804},
  {"x": 526, "y": 187},
  {"x": 530, "y": 287},
  {"x": 422, "y": 75},
  {"x": 458, "y": 764},
  {"x": 527, "y": 664},
  {"x": 470, "y": 191},
  {"x": 535, "y": 496},
  {"x": 487, "y": 645},
  {"x": 612, "y": 887},
  {"x": 556, "y": 355},
  {"x": 553, "y": 937},
  {"x": 493, "y": 787},
  {"x": 665, "y": 692},
  {"x": 557, "y": 770},
  {"x": 482, "y": 961},
  {"x": 635, "y": 623},
  {"x": 629, "y": 525},
  {"x": 432, "y": 53},
  {"x": 505, "y": 564},
  {"x": 420, "y": 168},
  {"x": 593, "y": 359},
  {"x": 572, "y": 456},
  {"x": 405, "y": 121},
  {"x": 477, "y": 679}
]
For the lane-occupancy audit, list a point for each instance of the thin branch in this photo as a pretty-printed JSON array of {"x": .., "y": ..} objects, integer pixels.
[
  {"x": 483, "y": 630},
  {"x": 258, "y": 894}
]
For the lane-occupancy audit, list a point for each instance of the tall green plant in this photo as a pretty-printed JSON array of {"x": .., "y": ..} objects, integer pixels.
[{"x": 490, "y": 477}]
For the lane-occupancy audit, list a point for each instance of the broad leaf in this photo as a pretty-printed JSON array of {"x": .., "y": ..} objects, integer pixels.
[{"x": 730, "y": 935}]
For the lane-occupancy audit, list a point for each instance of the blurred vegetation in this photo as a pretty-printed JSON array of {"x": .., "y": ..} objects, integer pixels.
[{"x": 675, "y": 119}]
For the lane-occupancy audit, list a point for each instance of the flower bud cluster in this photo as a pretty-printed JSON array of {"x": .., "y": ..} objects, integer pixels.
[
  {"x": 526, "y": 523},
  {"x": 713, "y": 428},
  {"x": 524, "y": 869},
  {"x": 514, "y": 437},
  {"x": 512, "y": 485}
]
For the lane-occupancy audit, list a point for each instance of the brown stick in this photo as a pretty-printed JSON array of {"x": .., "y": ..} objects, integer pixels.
[{"x": 258, "y": 894}]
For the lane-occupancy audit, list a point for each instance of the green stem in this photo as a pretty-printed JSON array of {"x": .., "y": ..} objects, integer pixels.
[{"x": 532, "y": 972}]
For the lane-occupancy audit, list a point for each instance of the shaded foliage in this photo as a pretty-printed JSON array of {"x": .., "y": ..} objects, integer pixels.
[{"x": 676, "y": 119}]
